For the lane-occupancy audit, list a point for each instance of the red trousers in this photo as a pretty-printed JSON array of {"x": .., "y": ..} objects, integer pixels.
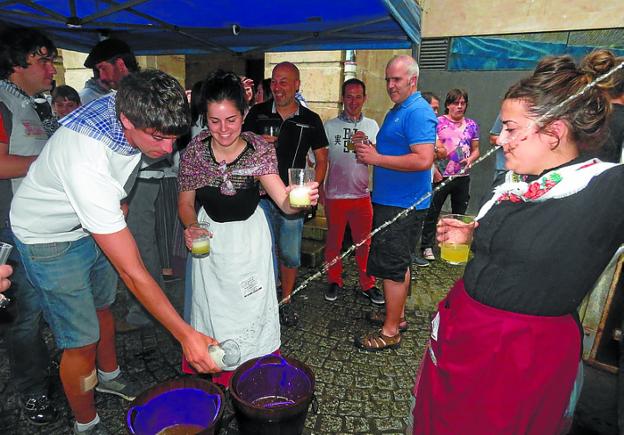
[
  {"x": 358, "y": 213},
  {"x": 490, "y": 371}
]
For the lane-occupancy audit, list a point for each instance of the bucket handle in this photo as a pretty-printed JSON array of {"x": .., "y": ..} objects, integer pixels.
[
  {"x": 132, "y": 412},
  {"x": 279, "y": 357}
]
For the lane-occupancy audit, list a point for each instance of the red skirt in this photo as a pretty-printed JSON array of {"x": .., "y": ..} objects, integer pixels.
[{"x": 490, "y": 371}]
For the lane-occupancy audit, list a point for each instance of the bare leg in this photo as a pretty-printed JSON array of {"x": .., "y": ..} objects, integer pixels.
[
  {"x": 288, "y": 277},
  {"x": 396, "y": 296},
  {"x": 77, "y": 372},
  {"x": 106, "y": 352}
]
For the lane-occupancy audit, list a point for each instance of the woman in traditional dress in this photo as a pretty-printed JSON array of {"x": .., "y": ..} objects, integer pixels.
[
  {"x": 506, "y": 341},
  {"x": 223, "y": 170}
]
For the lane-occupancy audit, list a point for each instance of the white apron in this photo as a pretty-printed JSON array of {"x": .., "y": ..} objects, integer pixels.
[{"x": 234, "y": 293}]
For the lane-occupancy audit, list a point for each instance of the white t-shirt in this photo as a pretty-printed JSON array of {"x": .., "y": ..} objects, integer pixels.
[
  {"x": 72, "y": 189},
  {"x": 346, "y": 178}
]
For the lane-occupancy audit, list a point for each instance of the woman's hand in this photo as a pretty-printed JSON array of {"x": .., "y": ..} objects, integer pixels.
[
  {"x": 192, "y": 232},
  {"x": 454, "y": 231}
]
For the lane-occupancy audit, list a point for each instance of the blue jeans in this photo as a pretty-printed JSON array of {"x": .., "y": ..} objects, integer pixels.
[
  {"x": 72, "y": 280},
  {"x": 28, "y": 354},
  {"x": 287, "y": 231}
]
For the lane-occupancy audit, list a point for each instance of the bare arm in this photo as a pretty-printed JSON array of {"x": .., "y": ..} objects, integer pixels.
[
  {"x": 121, "y": 250},
  {"x": 11, "y": 165},
  {"x": 419, "y": 159},
  {"x": 321, "y": 156},
  {"x": 186, "y": 207},
  {"x": 474, "y": 152}
]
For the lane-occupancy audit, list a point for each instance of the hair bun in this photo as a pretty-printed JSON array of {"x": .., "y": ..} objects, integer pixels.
[{"x": 598, "y": 63}]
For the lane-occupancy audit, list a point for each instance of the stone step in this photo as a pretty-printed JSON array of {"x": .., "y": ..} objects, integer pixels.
[
  {"x": 315, "y": 229},
  {"x": 312, "y": 253}
]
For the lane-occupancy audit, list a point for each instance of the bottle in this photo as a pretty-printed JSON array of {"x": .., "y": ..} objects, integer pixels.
[{"x": 225, "y": 354}]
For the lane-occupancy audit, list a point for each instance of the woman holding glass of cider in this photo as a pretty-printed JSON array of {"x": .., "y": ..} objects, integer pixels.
[
  {"x": 505, "y": 344},
  {"x": 224, "y": 170}
]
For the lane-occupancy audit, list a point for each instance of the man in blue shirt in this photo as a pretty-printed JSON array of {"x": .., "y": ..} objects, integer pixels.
[{"x": 402, "y": 162}]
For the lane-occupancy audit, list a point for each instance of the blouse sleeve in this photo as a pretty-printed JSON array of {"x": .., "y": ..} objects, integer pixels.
[
  {"x": 192, "y": 165},
  {"x": 265, "y": 158}
]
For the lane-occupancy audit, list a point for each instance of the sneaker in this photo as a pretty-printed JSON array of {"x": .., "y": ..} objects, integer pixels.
[
  {"x": 120, "y": 386},
  {"x": 288, "y": 316},
  {"x": 98, "y": 429},
  {"x": 375, "y": 295},
  {"x": 428, "y": 254},
  {"x": 419, "y": 261},
  {"x": 331, "y": 294},
  {"x": 38, "y": 410}
]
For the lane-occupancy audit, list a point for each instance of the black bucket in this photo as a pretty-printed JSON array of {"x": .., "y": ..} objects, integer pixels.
[
  {"x": 190, "y": 406},
  {"x": 271, "y": 395}
]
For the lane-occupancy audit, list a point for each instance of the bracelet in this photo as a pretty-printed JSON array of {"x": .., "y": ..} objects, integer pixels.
[{"x": 192, "y": 224}]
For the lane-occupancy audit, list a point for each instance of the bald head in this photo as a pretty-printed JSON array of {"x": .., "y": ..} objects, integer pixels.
[
  {"x": 284, "y": 85},
  {"x": 287, "y": 67}
]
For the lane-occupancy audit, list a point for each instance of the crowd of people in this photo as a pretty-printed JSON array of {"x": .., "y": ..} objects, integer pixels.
[{"x": 505, "y": 342}]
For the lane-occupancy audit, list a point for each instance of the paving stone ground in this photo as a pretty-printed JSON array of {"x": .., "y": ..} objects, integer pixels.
[{"x": 357, "y": 391}]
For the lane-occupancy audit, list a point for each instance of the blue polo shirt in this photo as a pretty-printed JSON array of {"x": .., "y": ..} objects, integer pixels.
[{"x": 410, "y": 123}]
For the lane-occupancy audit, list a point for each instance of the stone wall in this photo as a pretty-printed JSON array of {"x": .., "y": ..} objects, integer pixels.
[
  {"x": 321, "y": 77},
  {"x": 71, "y": 70},
  {"x": 464, "y": 18},
  {"x": 198, "y": 67}
]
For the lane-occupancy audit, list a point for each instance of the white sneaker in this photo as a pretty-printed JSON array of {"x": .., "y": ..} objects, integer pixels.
[{"x": 427, "y": 254}]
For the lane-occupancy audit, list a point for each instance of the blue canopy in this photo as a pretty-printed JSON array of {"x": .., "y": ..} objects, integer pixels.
[{"x": 237, "y": 26}]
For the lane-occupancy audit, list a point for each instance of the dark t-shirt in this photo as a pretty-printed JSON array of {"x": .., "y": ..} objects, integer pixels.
[
  {"x": 542, "y": 258},
  {"x": 297, "y": 134}
]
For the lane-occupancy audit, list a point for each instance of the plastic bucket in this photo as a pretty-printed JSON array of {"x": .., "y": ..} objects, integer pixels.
[
  {"x": 271, "y": 395},
  {"x": 186, "y": 406}
]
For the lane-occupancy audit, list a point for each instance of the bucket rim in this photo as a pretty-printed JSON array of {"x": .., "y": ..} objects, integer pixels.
[{"x": 277, "y": 358}]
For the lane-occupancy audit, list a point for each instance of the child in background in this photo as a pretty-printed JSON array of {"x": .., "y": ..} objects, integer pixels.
[{"x": 65, "y": 100}]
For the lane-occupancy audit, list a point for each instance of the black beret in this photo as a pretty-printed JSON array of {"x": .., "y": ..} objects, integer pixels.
[{"x": 105, "y": 50}]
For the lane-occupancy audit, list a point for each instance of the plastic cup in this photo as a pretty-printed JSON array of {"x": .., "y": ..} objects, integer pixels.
[
  {"x": 5, "y": 251},
  {"x": 201, "y": 240},
  {"x": 271, "y": 130},
  {"x": 352, "y": 143},
  {"x": 458, "y": 237},
  {"x": 225, "y": 354},
  {"x": 300, "y": 180}
]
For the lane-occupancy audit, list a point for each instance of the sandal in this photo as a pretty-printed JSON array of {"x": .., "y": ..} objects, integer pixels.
[
  {"x": 379, "y": 317},
  {"x": 376, "y": 340}
]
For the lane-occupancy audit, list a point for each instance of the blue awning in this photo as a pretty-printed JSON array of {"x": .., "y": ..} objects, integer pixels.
[{"x": 199, "y": 27}]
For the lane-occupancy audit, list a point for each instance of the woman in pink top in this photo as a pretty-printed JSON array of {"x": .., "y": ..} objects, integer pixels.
[{"x": 460, "y": 138}]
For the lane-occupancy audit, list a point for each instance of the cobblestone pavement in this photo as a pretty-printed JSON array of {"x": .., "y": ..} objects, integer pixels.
[{"x": 357, "y": 391}]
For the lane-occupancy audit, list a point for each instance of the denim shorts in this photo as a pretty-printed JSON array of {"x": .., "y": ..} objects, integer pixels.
[
  {"x": 72, "y": 281},
  {"x": 287, "y": 229},
  {"x": 391, "y": 248}
]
